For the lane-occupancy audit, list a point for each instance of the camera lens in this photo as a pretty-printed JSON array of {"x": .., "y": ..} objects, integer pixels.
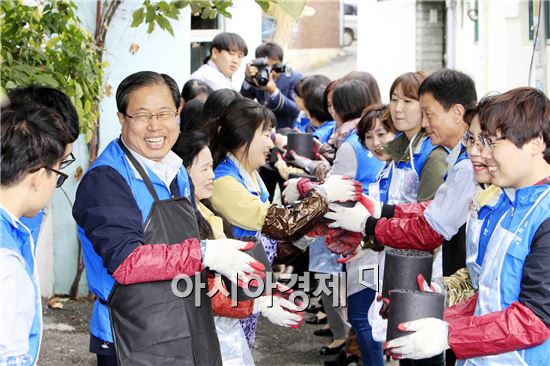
[{"x": 263, "y": 76}]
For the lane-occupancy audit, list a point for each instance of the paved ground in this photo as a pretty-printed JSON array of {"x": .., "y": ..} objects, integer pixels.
[
  {"x": 65, "y": 340},
  {"x": 339, "y": 66}
]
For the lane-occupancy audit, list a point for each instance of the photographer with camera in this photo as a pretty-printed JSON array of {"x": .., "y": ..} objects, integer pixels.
[{"x": 271, "y": 83}]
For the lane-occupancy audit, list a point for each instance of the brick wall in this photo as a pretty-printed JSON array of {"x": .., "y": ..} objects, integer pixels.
[{"x": 322, "y": 30}]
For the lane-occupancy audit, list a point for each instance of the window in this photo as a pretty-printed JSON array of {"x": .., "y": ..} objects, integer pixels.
[
  {"x": 534, "y": 7},
  {"x": 202, "y": 33}
]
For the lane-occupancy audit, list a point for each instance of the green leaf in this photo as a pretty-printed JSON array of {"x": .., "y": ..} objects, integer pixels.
[
  {"x": 137, "y": 17},
  {"x": 164, "y": 6},
  {"x": 151, "y": 27},
  {"x": 10, "y": 85},
  {"x": 264, "y": 4},
  {"x": 151, "y": 14},
  {"x": 47, "y": 79},
  {"x": 293, "y": 8},
  {"x": 88, "y": 136},
  {"x": 165, "y": 24}
]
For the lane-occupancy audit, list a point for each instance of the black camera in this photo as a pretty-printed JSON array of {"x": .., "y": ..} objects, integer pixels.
[{"x": 264, "y": 69}]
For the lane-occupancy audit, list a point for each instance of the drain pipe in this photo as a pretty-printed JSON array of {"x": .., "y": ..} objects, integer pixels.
[{"x": 450, "y": 47}]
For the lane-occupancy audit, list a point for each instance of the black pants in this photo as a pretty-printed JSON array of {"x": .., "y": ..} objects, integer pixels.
[
  {"x": 106, "y": 360},
  {"x": 438, "y": 360}
]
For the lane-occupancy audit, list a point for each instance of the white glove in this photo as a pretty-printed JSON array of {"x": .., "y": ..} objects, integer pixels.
[
  {"x": 423, "y": 285},
  {"x": 340, "y": 188},
  {"x": 290, "y": 193},
  {"x": 280, "y": 140},
  {"x": 376, "y": 206},
  {"x": 299, "y": 160},
  {"x": 226, "y": 257},
  {"x": 430, "y": 338},
  {"x": 279, "y": 312},
  {"x": 348, "y": 218}
]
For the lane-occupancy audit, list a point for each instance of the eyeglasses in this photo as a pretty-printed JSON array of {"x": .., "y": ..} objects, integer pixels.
[
  {"x": 146, "y": 117},
  {"x": 68, "y": 161},
  {"x": 483, "y": 141},
  {"x": 62, "y": 177}
]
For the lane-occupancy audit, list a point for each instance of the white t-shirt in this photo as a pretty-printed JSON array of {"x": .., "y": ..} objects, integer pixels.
[{"x": 212, "y": 76}]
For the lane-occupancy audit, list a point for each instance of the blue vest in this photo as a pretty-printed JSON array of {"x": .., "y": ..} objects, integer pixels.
[
  {"x": 99, "y": 281},
  {"x": 15, "y": 237},
  {"x": 500, "y": 277},
  {"x": 490, "y": 216},
  {"x": 367, "y": 164},
  {"x": 34, "y": 224},
  {"x": 325, "y": 131},
  {"x": 463, "y": 155},
  {"x": 228, "y": 168},
  {"x": 419, "y": 157}
]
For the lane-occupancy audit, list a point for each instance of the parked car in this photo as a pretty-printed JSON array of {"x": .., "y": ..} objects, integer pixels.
[{"x": 350, "y": 23}]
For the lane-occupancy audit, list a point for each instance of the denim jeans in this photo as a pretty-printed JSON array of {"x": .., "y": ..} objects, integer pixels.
[{"x": 358, "y": 310}]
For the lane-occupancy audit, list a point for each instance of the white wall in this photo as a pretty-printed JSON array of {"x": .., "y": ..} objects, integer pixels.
[
  {"x": 159, "y": 51},
  {"x": 500, "y": 60},
  {"x": 246, "y": 21},
  {"x": 386, "y": 45}
]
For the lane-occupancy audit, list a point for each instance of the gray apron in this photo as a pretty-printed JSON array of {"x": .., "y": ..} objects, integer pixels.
[{"x": 151, "y": 325}]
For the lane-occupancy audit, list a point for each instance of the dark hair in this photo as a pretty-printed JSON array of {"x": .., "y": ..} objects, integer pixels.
[
  {"x": 368, "y": 121},
  {"x": 227, "y": 41},
  {"x": 409, "y": 83},
  {"x": 308, "y": 84},
  {"x": 449, "y": 87},
  {"x": 191, "y": 116},
  {"x": 194, "y": 88},
  {"x": 214, "y": 107},
  {"x": 369, "y": 80},
  {"x": 52, "y": 98},
  {"x": 314, "y": 104},
  {"x": 30, "y": 138},
  {"x": 144, "y": 78},
  {"x": 520, "y": 115},
  {"x": 238, "y": 124},
  {"x": 330, "y": 88},
  {"x": 187, "y": 147},
  {"x": 270, "y": 50},
  {"x": 350, "y": 99},
  {"x": 473, "y": 110}
]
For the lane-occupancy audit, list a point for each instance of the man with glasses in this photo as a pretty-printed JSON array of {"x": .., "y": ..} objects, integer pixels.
[
  {"x": 507, "y": 322},
  {"x": 138, "y": 229},
  {"x": 60, "y": 103},
  {"x": 444, "y": 95},
  {"x": 33, "y": 142}
]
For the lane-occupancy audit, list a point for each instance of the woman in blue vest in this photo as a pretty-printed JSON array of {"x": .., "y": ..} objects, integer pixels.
[
  {"x": 376, "y": 129},
  {"x": 33, "y": 143},
  {"x": 240, "y": 148},
  {"x": 508, "y": 322},
  {"x": 414, "y": 173}
]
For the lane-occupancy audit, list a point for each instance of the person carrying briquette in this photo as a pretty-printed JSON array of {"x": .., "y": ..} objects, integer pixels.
[
  {"x": 240, "y": 148},
  {"x": 444, "y": 95},
  {"x": 137, "y": 224},
  {"x": 508, "y": 321}
]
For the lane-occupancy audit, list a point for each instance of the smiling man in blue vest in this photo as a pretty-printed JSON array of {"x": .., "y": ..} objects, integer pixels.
[{"x": 136, "y": 220}]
